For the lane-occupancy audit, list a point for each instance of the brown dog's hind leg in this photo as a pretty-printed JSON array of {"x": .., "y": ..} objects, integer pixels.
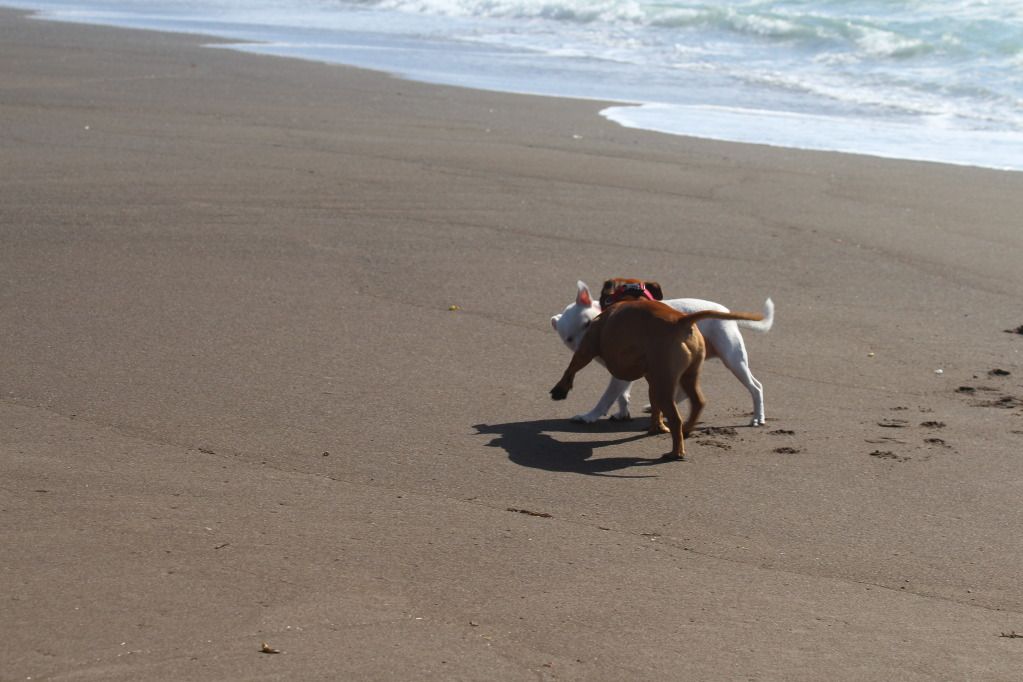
[
  {"x": 690, "y": 383},
  {"x": 678, "y": 443},
  {"x": 662, "y": 402},
  {"x": 656, "y": 420}
]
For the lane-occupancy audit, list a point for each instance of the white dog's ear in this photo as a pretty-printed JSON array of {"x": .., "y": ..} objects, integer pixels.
[
  {"x": 583, "y": 297},
  {"x": 554, "y": 322}
]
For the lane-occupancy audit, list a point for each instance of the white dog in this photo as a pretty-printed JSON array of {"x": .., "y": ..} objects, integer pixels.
[{"x": 723, "y": 340}]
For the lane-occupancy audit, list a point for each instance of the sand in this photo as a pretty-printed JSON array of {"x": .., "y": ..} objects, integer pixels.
[{"x": 238, "y": 406}]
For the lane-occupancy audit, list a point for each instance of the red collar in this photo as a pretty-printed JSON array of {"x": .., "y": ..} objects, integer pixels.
[{"x": 629, "y": 290}]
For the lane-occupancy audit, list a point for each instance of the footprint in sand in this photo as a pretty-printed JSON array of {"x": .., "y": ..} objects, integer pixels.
[
  {"x": 1006, "y": 402},
  {"x": 785, "y": 449},
  {"x": 886, "y": 440},
  {"x": 704, "y": 436},
  {"x": 989, "y": 396},
  {"x": 888, "y": 454},
  {"x": 716, "y": 431},
  {"x": 1003, "y": 401},
  {"x": 902, "y": 424}
]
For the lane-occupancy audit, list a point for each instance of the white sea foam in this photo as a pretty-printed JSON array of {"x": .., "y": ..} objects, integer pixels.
[{"x": 934, "y": 142}]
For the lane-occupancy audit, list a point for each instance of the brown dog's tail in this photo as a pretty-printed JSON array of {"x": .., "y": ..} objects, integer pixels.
[{"x": 693, "y": 318}]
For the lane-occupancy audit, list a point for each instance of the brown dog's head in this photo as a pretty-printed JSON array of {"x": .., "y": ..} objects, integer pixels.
[{"x": 622, "y": 288}]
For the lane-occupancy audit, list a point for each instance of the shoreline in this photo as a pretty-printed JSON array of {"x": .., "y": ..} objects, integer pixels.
[
  {"x": 275, "y": 352},
  {"x": 835, "y": 134}
]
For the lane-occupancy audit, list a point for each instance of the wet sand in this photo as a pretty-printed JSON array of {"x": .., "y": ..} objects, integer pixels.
[{"x": 274, "y": 360}]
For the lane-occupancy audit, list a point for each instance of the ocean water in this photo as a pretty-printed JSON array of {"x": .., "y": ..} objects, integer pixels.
[{"x": 934, "y": 80}]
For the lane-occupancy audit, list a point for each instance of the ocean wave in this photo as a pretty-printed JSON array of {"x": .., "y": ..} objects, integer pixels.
[
  {"x": 872, "y": 29},
  {"x": 905, "y": 58},
  {"x": 571, "y": 11}
]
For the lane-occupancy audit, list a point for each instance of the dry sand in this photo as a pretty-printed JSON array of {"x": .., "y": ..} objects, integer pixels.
[{"x": 237, "y": 409}]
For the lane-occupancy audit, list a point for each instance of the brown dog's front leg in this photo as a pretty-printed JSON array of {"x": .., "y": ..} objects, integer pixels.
[
  {"x": 561, "y": 389},
  {"x": 582, "y": 357}
]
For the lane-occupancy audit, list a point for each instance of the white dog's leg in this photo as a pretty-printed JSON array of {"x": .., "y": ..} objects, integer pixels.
[
  {"x": 617, "y": 389},
  {"x": 623, "y": 403},
  {"x": 737, "y": 361}
]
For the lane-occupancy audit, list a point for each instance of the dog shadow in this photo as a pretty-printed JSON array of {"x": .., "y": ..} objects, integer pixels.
[{"x": 530, "y": 444}]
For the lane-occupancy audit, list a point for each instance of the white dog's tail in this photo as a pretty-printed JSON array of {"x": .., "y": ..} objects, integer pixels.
[
  {"x": 763, "y": 325},
  {"x": 693, "y": 318}
]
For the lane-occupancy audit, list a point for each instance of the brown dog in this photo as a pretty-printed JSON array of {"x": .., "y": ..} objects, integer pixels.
[
  {"x": 646, "y": 338},
  {"x": 623, "y": 288}
]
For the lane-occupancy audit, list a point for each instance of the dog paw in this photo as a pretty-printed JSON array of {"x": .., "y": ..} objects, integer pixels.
[
  {"x": 621, "y": 417},
  {"x": 588, "y": 418},
  {"x": 559, "y": 393},
  {"x": 758, "y": 421}
]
